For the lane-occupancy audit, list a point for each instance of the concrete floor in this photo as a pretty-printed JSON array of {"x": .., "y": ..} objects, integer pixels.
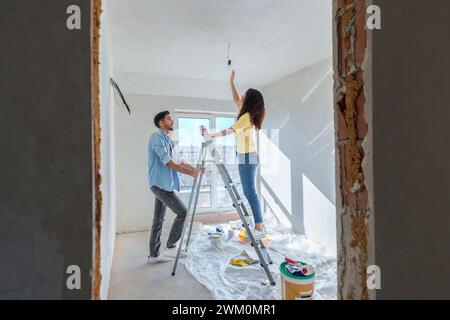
[{"x": 132, "y": 278}]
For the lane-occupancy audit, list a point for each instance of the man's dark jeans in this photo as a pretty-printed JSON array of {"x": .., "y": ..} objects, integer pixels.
[{"x": 164, "y": 199}]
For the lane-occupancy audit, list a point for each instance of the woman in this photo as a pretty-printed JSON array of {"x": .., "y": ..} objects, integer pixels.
[{"x": 250, "y": 118}]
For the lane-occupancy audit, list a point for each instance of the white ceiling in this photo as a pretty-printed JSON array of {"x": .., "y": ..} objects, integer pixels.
[{"x": 188, "y": 38}]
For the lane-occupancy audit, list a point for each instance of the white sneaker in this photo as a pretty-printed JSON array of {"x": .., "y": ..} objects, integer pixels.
[
  {"x": 158, "y": 259},
  {"x": 258, "y": 235},
  {"x": 172, "y": 253}
]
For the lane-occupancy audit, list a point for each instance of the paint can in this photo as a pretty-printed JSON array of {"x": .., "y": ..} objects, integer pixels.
[
  {"x": 296, "y": 288},
  {"x": 216, "y": 239}
]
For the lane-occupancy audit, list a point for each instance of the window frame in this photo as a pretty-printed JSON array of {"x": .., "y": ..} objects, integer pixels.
[{"x": 211, "y": 116}]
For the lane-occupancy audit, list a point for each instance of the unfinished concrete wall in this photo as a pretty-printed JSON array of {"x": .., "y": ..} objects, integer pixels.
[
  {"x": 302, "y": 181},
  {"x": 45, "y": 142},
  {"x": 354, "y": 204},
  {"x": 411, "y": 114}
]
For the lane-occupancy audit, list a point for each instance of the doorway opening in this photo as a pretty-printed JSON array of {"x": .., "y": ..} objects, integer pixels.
[{"x": 173, "y": 59}]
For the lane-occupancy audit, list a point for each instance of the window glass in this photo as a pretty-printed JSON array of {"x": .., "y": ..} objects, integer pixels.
[{"x": 188, "y": 150}]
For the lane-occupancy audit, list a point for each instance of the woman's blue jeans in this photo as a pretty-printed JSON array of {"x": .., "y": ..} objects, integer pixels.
[{"x": 248, "y": 164}]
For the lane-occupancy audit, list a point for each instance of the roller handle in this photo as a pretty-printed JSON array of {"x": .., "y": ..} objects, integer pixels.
[{"x": 290, "y": 261}]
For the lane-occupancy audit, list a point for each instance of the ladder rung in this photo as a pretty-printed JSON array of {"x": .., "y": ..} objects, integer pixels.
[{"x": 239, "y": 202}]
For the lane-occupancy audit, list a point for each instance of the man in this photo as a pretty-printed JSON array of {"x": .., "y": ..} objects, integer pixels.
[{"x": 163, "y": 181}]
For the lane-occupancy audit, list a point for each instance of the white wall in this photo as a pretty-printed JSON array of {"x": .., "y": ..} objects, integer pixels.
[
  {"x": 107, "y": 170},
  {"x": 134, "y": 198},
  {"x": 301, "y": 106}
]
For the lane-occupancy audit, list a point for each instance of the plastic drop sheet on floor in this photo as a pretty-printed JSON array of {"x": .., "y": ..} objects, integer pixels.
[{"x": 209, "y": 264}]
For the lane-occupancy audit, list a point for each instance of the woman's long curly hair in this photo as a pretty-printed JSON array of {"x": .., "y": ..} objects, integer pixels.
[{"x": 253, "y": 104}]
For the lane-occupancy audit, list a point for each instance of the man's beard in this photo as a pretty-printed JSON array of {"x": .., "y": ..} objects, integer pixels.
[{"x": 167, "y": 127}]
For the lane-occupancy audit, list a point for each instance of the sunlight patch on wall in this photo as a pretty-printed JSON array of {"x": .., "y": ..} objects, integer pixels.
[
  {"x": 319, "y": 217},
  {"x": 276, "y": 169},
  {"x": 282, "y": 219}
]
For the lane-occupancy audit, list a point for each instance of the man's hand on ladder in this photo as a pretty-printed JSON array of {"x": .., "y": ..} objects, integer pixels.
[{"x": 196, "y": 172}]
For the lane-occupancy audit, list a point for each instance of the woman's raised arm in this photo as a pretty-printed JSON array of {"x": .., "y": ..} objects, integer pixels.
[{"x": 236, "y": 97}]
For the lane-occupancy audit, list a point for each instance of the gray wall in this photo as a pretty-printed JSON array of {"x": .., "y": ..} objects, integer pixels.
[
  {"x": 45, "y": 142},
  {"x": 411, "y": 116}
]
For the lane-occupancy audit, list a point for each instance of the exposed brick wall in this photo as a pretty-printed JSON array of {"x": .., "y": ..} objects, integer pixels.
[
  {"x": 353, "y": 211},
  {"x": 97, "y": 276}
]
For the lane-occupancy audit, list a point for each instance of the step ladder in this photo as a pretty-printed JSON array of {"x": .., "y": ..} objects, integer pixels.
[{"x": 257, "y": 244}]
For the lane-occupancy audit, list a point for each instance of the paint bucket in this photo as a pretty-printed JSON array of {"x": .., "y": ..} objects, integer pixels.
[
  {"x": 216, "y": 239},
  {"x": 296, "y": 288}
]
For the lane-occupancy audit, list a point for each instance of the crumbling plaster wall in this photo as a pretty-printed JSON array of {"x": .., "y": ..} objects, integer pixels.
[
  {"x": 354, "y": 177},
  {"x": 96, "y": 131}
]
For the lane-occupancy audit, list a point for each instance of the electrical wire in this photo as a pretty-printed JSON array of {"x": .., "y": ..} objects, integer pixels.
[{"x": 116, "y": 87}]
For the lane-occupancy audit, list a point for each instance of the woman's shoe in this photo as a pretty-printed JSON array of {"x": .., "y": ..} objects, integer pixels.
[{"x": 258, "y": 234}]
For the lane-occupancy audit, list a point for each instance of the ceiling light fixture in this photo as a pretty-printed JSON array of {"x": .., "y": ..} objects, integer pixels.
[{"x": 229, "y": 59}]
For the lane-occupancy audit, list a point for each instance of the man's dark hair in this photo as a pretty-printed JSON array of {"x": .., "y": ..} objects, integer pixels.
[{"x": 160, "y": 116}]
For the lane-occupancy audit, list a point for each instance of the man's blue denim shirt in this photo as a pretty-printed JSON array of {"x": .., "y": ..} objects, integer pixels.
[{"x": 160, "y": 148}]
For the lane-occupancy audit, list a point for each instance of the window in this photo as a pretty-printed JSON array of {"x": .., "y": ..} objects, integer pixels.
[
  {"x": 188, "y": 150},
  {"x": 213, "y": 195}
]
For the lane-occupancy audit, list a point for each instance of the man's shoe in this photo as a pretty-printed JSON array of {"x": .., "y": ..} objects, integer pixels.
[
  {"x": 172, "y": 253},
  {"x": 158, "y": 259}
]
